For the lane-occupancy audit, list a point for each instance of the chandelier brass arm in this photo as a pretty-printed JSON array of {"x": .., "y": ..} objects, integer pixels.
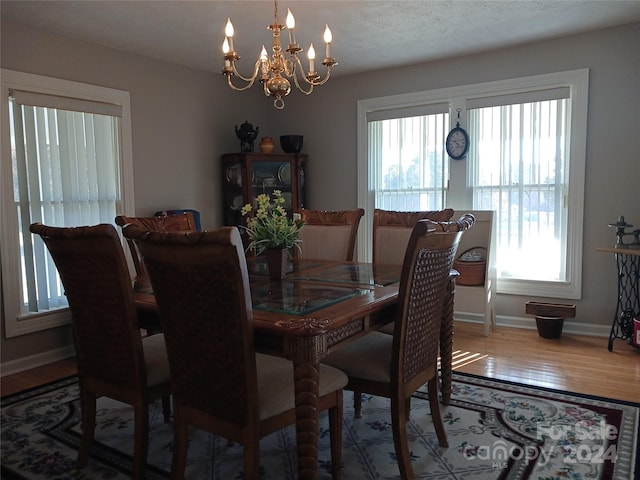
[
  {"x": 230, "y": 71},
  {"x": 275, "y": 71}
]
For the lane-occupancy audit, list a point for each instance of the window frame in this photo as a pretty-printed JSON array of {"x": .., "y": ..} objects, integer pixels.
[
  {"x": 459, "y": 195},
  {"x": 15, "y": 322}
]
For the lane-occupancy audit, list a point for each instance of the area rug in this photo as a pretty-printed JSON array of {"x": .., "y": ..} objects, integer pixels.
[{"x": 496, "y": 430}]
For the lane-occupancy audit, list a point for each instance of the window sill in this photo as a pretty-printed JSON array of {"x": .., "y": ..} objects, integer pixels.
[{"x": 35, "y": 322}]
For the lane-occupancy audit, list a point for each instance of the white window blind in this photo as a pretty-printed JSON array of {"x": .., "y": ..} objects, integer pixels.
[
  {"x": 407, "y": 157},
  {"x": 35, "y": 99},
  {"x": 518, "y": 169},
  {"x": 67, "y": 161},
  {"x": 65, "y": 174}
]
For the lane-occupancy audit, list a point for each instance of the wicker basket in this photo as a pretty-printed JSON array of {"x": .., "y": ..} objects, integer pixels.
[{"x": 471, "y": 264}]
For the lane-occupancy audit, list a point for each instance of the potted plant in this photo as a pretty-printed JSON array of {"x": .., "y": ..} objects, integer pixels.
[{"x": 270, "y": 230}]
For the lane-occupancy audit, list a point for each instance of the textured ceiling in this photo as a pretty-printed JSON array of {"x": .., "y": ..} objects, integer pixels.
[{"x": 368, "y": 35}]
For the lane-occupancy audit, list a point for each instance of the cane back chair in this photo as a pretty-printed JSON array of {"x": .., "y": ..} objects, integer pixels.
[
  {"x": 113, "y": 360},
  {"x": 160, "y": 223},
  {"x": 395, "y": 366},
  {"x": 219, "y": 383}
]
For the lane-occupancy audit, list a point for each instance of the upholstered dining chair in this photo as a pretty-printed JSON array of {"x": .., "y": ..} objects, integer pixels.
[
  {"x": 219, "y": 383},
  {"x": 329, "y": 235},
  {"x": 395, "y": 366},
  {"x": 392, "y": 229},
  {"x": 391, "y": 232},
  {"x": 113, "y": 359}
]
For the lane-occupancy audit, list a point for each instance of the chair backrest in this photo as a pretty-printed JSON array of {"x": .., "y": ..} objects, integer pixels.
[
  {"x": 424, "y": 279},
  {"x": 329, "y": 235},
  {"x": 201, "y": 285},
  {"x": 160, "y": 223},
  {"x": 194, "y": 213},
  {"x": 93, "y": 269},
  {"x": 392, "y": 229}
]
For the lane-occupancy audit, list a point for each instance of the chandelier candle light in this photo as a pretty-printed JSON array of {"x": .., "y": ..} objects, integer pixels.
[{"x": 275, "y": 71}]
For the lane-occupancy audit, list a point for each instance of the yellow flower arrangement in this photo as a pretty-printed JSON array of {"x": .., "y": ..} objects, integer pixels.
[{"x": 268, "y": 225}]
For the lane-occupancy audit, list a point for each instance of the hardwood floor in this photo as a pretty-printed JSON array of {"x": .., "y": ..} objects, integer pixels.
[
  {"x": 572, "y": 363},
  {"x": 31, "y": 378}
]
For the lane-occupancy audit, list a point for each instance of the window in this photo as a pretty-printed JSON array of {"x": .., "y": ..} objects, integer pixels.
[
  {"x": 526, "y": 162},
  {"x": 408, "y": 157},
  {"x": 65, "y": 165},
  {"x": 518, "y": 170}
]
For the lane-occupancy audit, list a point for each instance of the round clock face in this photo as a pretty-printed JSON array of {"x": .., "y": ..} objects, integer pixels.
[{"x": 457, "y": 143}]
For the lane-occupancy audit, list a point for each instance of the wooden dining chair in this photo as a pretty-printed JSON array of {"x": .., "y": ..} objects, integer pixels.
[
  {"x": 113, "y": 359},
  {"x": 391, "y": 232},
  {"x": 392, "y": 229},
  {"x": 148, "y": 317},
  {"x": 395, "y": 366},
  {"x": 220, "y": 384},
  {"x": 329, "y": 235},
  {"x": 160, "y": 223}
]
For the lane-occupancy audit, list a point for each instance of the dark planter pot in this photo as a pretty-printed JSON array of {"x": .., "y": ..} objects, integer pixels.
[
  {"x": 550, "y": 317},
  {"x": 277, "y": 261},
  {"x": 549, "y": 327}
]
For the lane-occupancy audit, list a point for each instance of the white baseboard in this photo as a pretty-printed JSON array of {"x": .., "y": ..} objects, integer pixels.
[
  {"x": 33, "y": 361},
  {"x": 571, "y": 327}
]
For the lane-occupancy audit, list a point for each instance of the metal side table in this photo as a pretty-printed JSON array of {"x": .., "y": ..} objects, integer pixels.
[{"x": 628, "y": 304}]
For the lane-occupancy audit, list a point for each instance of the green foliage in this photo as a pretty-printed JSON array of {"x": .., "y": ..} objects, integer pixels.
[{"x": 268, "y": 225}]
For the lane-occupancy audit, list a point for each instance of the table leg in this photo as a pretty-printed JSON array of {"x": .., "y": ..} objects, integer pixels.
[
  {"x": 446, "y": 342},
  {"x": 628, "y": 303},
  {"x": 305, "y": 351}
]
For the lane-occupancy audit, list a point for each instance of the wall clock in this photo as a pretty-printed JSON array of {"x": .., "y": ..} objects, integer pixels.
[{"x": 457, "y": 143}]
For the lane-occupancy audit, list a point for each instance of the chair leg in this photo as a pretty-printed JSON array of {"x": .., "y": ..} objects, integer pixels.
[
  {"x": 166, "y": 409},
  {"x": 180, "y": 446},
  {"x": 335, "y": 434},
  {"x": 357, "y": 404},
  {"x": 400, "y": 439},
  {"x": 435, "y": 412},
  {"x": 252, "y": 456},
  {"x": 141, "y": 439},
  {"x": 88, "y": 413}
]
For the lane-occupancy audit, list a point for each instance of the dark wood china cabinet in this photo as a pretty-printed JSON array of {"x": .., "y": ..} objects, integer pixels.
[{"x": 246, "y": 175}]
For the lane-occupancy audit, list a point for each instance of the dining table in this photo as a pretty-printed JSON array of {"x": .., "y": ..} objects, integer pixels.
[{"x": 318, "y": 306}]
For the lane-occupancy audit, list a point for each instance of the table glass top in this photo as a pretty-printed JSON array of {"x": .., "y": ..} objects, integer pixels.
[
  {"x": 258, "y": 265},
  {"x": 298, "y": 298},
  {"x": 332, "y": 272},
  {"x": 357, "y": 273}
]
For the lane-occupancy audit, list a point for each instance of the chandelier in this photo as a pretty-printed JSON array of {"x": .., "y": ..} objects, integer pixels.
[{"x": 275, "y": 71}]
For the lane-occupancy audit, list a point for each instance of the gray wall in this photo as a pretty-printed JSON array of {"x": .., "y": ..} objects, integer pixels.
[{"x": 183, "y": 119}]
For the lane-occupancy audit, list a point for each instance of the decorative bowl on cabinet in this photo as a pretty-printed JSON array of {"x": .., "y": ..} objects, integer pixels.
[{"x": 291, "y": 143}]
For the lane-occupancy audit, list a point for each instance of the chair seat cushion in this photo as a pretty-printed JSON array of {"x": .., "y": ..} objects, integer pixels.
[
  {"x": 275, "y": 383},
  {"x": 373, "y": 354},
  {"x": 388, "y": 328},
  {"x": 155, "y": 359}
]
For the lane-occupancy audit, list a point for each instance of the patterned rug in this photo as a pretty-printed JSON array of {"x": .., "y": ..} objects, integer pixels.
[{"x": 496, "y": 430}]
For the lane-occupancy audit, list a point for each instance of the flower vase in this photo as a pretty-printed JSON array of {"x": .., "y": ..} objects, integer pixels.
[{"x": 277, "y": 262}]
